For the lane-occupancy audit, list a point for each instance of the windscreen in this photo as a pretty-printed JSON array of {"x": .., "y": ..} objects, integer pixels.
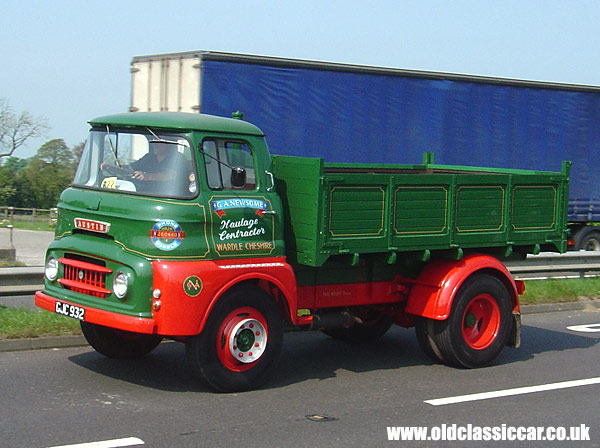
[{"x": 149, "y": 164}]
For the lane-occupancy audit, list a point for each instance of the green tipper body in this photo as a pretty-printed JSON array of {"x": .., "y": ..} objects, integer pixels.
[{"x": 334, "y": 209}]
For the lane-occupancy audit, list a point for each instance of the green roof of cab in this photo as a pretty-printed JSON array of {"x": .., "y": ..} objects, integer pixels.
[{"x": 178, "y": 121}]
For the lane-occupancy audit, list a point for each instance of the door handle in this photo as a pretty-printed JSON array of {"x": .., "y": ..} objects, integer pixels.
[{"x": 270, "y": 174}]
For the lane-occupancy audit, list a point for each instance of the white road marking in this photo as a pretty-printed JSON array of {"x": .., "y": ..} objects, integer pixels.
[
  {"x": 509, "y": 392},
  {"x": 589, "y": 328},
  {"x": 116, "y": 443}
]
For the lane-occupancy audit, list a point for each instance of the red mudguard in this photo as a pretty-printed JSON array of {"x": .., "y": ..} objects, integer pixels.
[{"x": 434, "y": 291}]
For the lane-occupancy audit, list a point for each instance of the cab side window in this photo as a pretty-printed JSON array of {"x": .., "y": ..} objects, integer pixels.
[{"x": 221, "y": 156}]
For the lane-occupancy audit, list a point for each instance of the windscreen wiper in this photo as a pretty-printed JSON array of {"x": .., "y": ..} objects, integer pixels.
[{"x": 112, "y": 148}]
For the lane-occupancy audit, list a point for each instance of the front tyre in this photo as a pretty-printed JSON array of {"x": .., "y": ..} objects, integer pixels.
[
  {"x": 478, "y": 327},
  {"x": 119, "y": 344},
  {"x": 240, "y": 343}
]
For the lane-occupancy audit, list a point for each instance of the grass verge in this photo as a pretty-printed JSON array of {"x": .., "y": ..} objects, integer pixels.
[
  {"x": 16, "y": 323},
  {"x": 560, "y": 290},
  {"x": 11, "y": 264},
  {"x": 28, "y": 224}
]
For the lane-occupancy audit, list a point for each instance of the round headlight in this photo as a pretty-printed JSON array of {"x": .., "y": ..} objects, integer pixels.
[
  {"x": 120, "y": 285},
  {"x": 51, "y": 270}
]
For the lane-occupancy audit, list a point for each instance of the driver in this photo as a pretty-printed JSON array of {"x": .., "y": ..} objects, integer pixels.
[{"x": 160, "y": 164}]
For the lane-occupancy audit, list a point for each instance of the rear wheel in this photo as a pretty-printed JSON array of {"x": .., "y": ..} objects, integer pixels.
[
  {"x": 425, "y": 329},
  {"x": 477, "y": 329},
  {"x": 588, "y": 239},
  {"x": 120, "y": 344},
  {"x": 241, "y": 341}
]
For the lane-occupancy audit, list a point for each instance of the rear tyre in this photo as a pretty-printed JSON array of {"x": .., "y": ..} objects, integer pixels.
[
  {"x": 425, "y": 328},
  {"x": 240, "y": 343},
  {"x": 374, "y": 324},
  {"x": 119, "y": 344},
  {"x": 588, "y": 240},
  {"x": 477, "y": 329}
]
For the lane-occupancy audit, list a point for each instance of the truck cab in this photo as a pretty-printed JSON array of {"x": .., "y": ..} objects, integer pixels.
[{"x": 140, "y": 242}]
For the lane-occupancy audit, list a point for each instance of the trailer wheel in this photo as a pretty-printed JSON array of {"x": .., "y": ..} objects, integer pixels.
[
  {"x": 374, "y": 324},
  {"x": 240, "y": 343},
  {"x": 588, "y": 239},
  {"x": 119, "y": 344},
  {"x": 478, "y": 327}
]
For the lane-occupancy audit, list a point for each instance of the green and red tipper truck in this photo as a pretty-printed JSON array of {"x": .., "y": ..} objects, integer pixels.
[{"x": 222, "y": 246}]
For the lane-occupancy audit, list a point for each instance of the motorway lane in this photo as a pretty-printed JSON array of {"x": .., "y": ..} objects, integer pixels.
[{"x": 56, "y": 397}]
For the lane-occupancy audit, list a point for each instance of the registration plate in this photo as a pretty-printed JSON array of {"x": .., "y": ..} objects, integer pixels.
[{"x": 76, "y": 312}]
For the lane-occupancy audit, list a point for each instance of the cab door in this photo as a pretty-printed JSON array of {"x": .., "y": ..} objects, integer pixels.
[{"x": 244, "y": 220}]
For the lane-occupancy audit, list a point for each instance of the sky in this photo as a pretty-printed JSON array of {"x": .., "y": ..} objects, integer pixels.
[{"x": 69, "y": 61}]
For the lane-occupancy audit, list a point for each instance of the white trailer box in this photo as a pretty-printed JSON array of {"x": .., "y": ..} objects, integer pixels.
[{"x": 166, "y": 82}]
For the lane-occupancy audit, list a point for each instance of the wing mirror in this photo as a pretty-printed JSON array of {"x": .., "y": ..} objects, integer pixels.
[{"x": 238, "y": 177}]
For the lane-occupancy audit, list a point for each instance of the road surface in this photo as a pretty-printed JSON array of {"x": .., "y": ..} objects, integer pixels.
[
  {"x": 325, "y": 393},
  {"x": 30, "y": 244}
]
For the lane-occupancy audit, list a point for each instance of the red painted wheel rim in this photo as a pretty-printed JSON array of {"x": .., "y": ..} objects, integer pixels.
[
  {"x": 481, "y": 322},
  {"x": 242, "y": 339}
]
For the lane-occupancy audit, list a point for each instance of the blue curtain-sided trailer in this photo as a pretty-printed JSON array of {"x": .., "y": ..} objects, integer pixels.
[{"x": 349, "y": 113}]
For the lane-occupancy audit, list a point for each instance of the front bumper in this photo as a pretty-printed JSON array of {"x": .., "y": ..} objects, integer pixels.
[{"x": 101, "y": 317}]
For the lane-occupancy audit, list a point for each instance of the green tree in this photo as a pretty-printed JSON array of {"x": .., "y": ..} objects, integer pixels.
[
  {"x": 77, "y": 151},
  {"x": 48, "y": 173},
  {"x": 7, "y": 190},
  {"x": 55, "y": 152},
  {"x": 9, "y": 174},
  {"x": 14, "y": 164}
]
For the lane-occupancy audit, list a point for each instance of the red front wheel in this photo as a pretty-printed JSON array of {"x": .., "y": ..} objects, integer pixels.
[
  {"x": 242, "y": 339},
  {"x": 477, "y": 329},
  {"x": 240, "y": 342}
]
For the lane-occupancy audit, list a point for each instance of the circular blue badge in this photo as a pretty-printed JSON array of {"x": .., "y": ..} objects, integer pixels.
[{"x": 166, "y": 234}]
